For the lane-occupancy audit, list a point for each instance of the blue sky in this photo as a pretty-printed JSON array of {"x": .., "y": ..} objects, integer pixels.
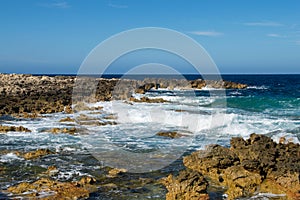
[{"x": 242, "y": 36}]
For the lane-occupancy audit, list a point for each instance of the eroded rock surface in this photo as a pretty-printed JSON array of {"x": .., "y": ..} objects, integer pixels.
[
  {"x": 257, "y": 164},
  {"x": 5, "y": 129},
  {"x": 21, "y": 93},
  {"x": 188, "y": 185},
  {"x": 51, "y": 189}
]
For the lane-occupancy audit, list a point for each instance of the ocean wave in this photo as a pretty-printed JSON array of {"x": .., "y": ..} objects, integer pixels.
[{"x": 262, "y": 87}]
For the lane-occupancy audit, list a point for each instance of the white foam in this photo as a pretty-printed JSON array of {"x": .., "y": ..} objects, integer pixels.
[
  {"x": 263, "y": 87},
  {"x": 9, "y": 157}
]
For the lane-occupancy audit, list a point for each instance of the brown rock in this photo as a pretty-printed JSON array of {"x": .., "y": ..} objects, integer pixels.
[
  {"x": 70, "y": 131},
  {"x": 114, "y": 172},
  {"x": 170, "y": 134},
  {"x": 148, "y": 100},
  {"x": 60, "y": 190},
  {"x": 37, "y": 154},
  {"x": 257, "y": 164},
  {"x": 5, "y": 129},
  {"x": 188, "y": 185},
  {"x": 67, "y": 119}
]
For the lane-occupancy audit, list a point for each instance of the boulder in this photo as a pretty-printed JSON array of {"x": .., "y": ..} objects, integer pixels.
[{"x": 188, "y": 185}]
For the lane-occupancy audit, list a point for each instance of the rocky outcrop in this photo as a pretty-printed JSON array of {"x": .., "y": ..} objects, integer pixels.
[
  {"x": 67, "y": 119},
  {"x": 20, "y": 93},
  {"x": 254, "y": 165},
  {"x": 169, "y": 134},
  {"x": 54, "y": 189},
  {"x": 36, "y": 154},
  {"x": 70, "y": 131},
  {"x": 5, "y": 129},
  {"x": 115, "y": 171},
  {"x": 188, "y": 185},
  {"x": 148, "y": 100}
]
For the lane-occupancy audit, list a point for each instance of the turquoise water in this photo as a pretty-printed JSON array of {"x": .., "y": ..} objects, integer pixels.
[{"x": 270, "y": 106}]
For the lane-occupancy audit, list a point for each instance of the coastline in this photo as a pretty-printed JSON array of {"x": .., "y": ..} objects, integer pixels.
[{"x": 33, "y": 96}]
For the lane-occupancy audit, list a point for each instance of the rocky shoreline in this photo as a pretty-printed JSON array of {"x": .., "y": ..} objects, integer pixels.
[
  {"x": 246, "y": 168},
  {"x": 23, "y": 94}
]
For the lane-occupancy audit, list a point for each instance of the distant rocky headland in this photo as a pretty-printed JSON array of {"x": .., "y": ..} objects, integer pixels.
[{"x": 21, "y": 93}]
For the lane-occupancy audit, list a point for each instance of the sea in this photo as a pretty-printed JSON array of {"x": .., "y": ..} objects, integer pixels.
[{"x": 270, "y": 105}]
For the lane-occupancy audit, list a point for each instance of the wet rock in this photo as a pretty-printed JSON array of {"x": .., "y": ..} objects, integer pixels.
[
  {"x": 110, "y": 116},
  {"x": 144, "y": 88},
  {"x": 67, "y": 119},
  {"x": 148, "y": 100},
  {"x": 70, "y": 131},
  {"x": 170, "y": 134},
  {"x": 97, "y": 123},
  {"x": 257, "y": 164},
  {"x": 115, "y": 172},
  {"x": 55, "y": 189},
  {"x": 36, "y": 154},
  {"x": 5, "y": 129},
  {"x": 83, "y": 117},
  {"x": 188, "y": 185},
  {"x": 68, "y": 109},
  {"x": 87, "y": 180}
]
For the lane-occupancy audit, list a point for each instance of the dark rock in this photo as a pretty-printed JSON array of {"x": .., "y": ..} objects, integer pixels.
[
  {"x": 5, "y": 129},
  {"x": 148, "y": 100},
  {"x": 169, "y": 134}
]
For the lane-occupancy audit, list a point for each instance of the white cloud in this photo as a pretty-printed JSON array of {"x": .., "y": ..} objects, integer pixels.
[
  {"x": 207, "y": 33},
  {"x": 275, "y": 35},
  {"x": 56, "y": 4},
  {"x": 263, "y": 23}
]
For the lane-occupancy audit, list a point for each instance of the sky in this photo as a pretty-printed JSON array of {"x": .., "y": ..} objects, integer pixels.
[{"x": 55, "y": 36}]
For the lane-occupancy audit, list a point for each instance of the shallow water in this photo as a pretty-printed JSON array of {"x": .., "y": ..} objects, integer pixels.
[{"x": 268, "y": 106}]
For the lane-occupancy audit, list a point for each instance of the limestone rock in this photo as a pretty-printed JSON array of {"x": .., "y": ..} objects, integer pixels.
[
  {"x": 257, "y": 164},
  {"x": 5, "y": 129},
  {"x": 37, "y": 154},
  {"x": 188, "y": 185},
  {"x": 56, "y": 189}
]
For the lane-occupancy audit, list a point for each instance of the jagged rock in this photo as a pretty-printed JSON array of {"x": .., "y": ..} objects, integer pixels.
[
  {"x": 70, "y": 131},
  {"x": 188, "y": 185},
  {"x": 97, "y": 123},
  {"x": 170, "y": 134},
  {"x": 68, "y": 109},
  {"x": 36, "y": 154},
  {"x": 144, "y": 88},
  {"x": 148, "y": 100},
  {"x": 86, "y": 180},
  {"x": 5, "y": 129},
  {"x": 115, "y": 171},
  {"x": 83, "y": 117},
  {"x": 67, "y": 119},
  {"x": 257, "y": 164},
  {"x": 55, "y": 189},
  {"x": 21, "y": 93}
]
